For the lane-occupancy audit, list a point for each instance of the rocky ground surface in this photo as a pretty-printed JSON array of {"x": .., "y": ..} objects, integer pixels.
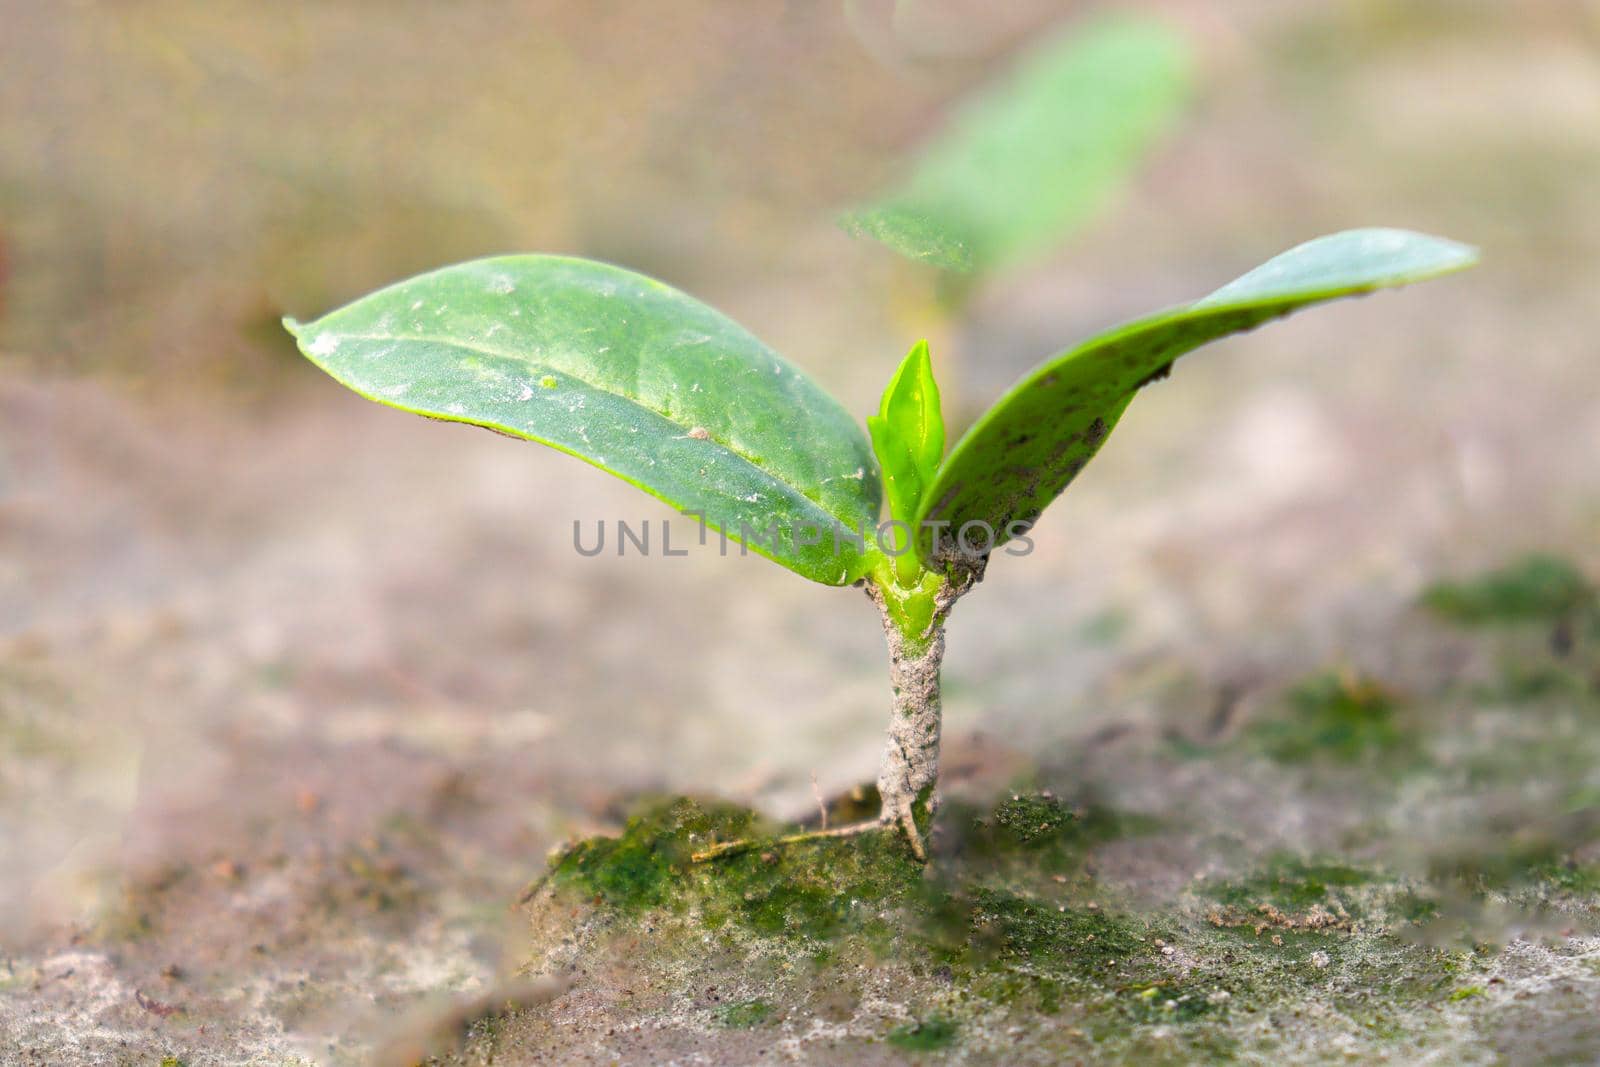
[
  {"x": 1402, "y": 870},
  {"x": 277, "y": 805}
]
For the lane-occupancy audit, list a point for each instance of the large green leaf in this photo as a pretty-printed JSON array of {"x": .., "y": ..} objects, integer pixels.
[
  {"x": 1028, "y": 447},
  {"x": 1034, "y": 156},
  {"x": 625, "y": 373}
]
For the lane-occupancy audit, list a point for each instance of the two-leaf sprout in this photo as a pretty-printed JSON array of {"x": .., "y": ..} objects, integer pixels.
[{"x": 645, "y": 382}]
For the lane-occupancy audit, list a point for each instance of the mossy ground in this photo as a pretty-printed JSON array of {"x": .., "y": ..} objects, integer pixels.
[
  {"x": 1007, "y": 944},
  {"x": 1036, "y": 934}
]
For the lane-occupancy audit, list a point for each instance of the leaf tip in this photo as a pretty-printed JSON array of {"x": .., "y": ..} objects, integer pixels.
[
  {"x": 1437, "y": 255},
  {"x": 1466, "y": 255},
  {"x": 291, "y": 324}
]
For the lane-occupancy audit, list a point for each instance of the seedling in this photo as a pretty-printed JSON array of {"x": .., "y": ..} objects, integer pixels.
[{"x": 643, "y": 381}]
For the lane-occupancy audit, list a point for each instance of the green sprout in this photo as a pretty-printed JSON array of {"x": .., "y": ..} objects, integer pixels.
[{"x": 655, "y": 387}]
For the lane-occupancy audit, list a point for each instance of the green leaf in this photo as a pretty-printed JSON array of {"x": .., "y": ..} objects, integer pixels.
[
  {"x": 1028, "y": 447},
  {"x": 1031, "y": 158},
  {"x": 627, "y": 374},
  {"x": 908, "y": 433}
]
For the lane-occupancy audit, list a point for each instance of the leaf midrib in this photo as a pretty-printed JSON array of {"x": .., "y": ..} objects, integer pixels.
[{"x": 486, "y": 350}]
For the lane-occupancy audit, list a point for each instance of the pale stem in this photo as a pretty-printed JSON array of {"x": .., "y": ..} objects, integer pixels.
[
  {"x": 913, "y": 626},
  {"x": 909, "y": 775}
]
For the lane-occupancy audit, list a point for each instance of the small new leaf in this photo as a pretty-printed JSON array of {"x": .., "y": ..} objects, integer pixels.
[{"x": 908, "y": 433}]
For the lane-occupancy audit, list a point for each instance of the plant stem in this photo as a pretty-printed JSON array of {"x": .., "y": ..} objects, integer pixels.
[
  {"x": 910, "y": 772},
  {"x": 913, "y": 625}
]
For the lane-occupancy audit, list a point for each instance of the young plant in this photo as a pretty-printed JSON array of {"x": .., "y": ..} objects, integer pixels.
[{"x": 649, "y": 384}]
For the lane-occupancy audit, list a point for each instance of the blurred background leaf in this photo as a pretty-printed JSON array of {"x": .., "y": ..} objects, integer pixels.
[{"x": 1032, "y": 157}]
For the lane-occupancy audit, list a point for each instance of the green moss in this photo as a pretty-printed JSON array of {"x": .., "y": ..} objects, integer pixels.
[
  {"x": 865, "y": 897},
  {"x": 745, "y": 1014},
  {"x": 1568, "y": 875},
  {"x": 1168, "y": 1002},
  {"x": 1295, "y": 885},
  {"x": 642, "y": 867},
  {"x": 1537, "y": 861},
  {"x": 1468, "y": 992},
  {"x": 1079, "y": 941},
  {"x": 1535, "y": 588},
  {"x": 1414, "y": 907},
  {"x": 924, "y": 1036},
  {"x": 815, "y": 889},
  {"x": 1337, "y": 717},
  {"x": 1029, "y": 821},
  {"x": 1032, "y": 832},
  {"x": 1015, "y": 950},
  {"x": 987, "y": 933},
  {"x": 828, "y": 887}
]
